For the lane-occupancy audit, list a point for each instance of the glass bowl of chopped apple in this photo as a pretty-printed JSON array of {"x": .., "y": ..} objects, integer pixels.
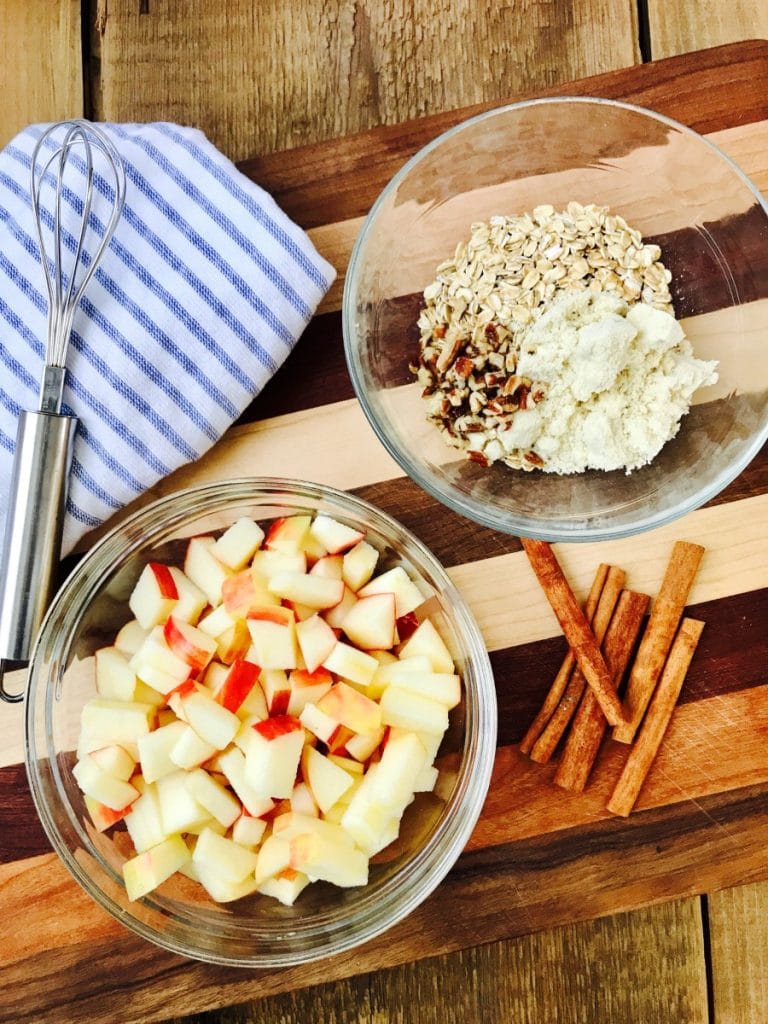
[
  {"x": 554, "y": 319},
  {"x": 261, "y": 722}
]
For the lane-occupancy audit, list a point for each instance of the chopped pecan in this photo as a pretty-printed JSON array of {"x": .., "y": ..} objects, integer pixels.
[
  {"x": 533, "y": 458},
  {"x": 463, "y": 366},
  {"x": 522, "y": 396},
  {"x": 439, "y": 331},
  {"x": 491, "y": 332},
  {"x": 448, "y": 353},
  {"x": 478, "y": 457}
]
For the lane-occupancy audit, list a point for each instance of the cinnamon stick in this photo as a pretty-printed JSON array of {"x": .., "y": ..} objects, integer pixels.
[
  {"x": 665, "y": 616},
  {"x": 589, "y": 723},
  {"x": 557, "y": 689},
  {"x": 575, "y": 626},
  {"x": 544, "y": 747},
  {"x": 657, "y": 720}
]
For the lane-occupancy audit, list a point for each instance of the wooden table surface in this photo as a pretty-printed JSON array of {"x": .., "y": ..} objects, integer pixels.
[{"x": 260, "y": 78}]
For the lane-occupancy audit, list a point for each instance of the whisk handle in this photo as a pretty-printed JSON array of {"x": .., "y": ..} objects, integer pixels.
[{"x": 32, "y": 546}]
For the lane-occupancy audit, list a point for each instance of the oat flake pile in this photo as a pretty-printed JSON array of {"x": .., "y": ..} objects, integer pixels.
[{"x": 487, "y": 372}]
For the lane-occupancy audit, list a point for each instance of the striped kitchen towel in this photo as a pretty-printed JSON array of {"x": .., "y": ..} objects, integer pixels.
[{"x": 203, "y": 292}]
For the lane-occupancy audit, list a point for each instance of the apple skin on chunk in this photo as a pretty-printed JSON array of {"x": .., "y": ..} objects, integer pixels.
[
  {"x": 395, "y": 581},
  {"x": 104, "y": 817},
  {"x": 273, "y": 756},
  {"x": 287, "y": 534},
  {"x": 349, "y": 707},
  {"x": 284, "y": 886},
  {"x": 273, "y": 637},
  {"x": 237, "y": 684},
  {"x": 307, "y": 688},
  {"x": 154, "y": 595},
  {"x": 335, "y": 537},
  {"x": 329, "y": 566},
  {"x": 146, "y": 871},
  {"x": 190, "y": 644}
]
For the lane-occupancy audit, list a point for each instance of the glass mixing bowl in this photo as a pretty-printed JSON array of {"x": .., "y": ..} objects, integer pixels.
[
  {"x": 256, "y": 931},
  {"x": 673, "y": 185}
]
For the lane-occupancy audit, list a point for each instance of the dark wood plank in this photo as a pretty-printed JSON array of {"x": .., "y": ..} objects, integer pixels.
[
  {"x": 499, "y": 892},
  {"x": 323, "y": 183}
]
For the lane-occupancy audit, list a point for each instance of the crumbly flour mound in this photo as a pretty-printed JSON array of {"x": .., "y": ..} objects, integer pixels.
[{"x": 616, "y": 381}]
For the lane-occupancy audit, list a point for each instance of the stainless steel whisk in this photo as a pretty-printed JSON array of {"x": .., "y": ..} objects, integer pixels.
[{"x": 45, "y": 438}]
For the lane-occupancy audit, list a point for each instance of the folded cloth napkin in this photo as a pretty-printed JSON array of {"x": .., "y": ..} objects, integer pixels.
[{"x": 203, "y": 292}]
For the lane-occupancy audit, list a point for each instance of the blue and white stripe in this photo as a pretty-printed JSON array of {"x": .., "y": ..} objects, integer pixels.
[{"x": 202, "y": 294}]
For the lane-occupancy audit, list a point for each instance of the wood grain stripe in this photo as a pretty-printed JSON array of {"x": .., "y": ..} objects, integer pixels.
[
  {"x": 511, "y": 610},
  {"x": 504, "y": 890},
  {"x": 730, "y": 660}
]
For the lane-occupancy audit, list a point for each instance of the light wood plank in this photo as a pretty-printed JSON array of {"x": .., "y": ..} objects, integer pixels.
[
  {"x": 738, "y": 929},
  {"x": 680, "y": 27},
  {"x": 262, "y": 77},
  {"x": 41, "y": 76}
]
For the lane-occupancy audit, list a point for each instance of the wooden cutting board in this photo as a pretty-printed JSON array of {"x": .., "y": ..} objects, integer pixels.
[{"x": 538, "y": 857}]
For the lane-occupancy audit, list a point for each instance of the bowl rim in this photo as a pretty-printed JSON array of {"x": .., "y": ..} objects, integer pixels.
[
  {"x": 430, "y": 862},
  {"x": 511, "y": 523}
]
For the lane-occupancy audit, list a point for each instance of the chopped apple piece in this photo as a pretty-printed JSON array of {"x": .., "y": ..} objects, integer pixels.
[
  {"x": 302, "y": 801},
  {"x": 144, "y": 823},
  {"x": 154, "y": 596},
  {"x": 130, "y": 637},
  {"x": 273, "y": 636},
  {"x": 438, "y": 686},
  {"x": 326, "y": 780},
  {"x": 96, "y": 783},
  {"x": 276, "y": 689},
  {"x": 147, "y": 870},
  {"x": 285, "y": 886},
  {"x": 223, "y": 857},
  {"x": 395, "y": 581},
  {"x": 370, "y": 623},
  {"x": 335, "y": 537},
  {"x": 402, "y": 761},
  {"x": 214, "y": 677},
  {"x": 238, "y": 544},
  {"x": 216, "y": 622},
  {"x": 362, "y": 745},
  {"x": 249, "y": 831},
  {"x": 245, "y": 591},
  {"x": 104, "y": 817},
  {"x": 329, "y": 566},
  {"x": 358, "y": 565},
  {"x": 412, "y": 711},
  {"x": 221, "y": 890},
  {"x": 234, "y": 643},
  {"x": 287, "y": 534},
  {"x": 348, "y": 764},
  {"x": 336, "y": 615},
  {"x": 212, "y": 722},
  {"x": 291, "y": 824},
  {"x": 351, "y": 708},
  {"x": 274, "y": 856},
  {"x": 157, "y": 665},
  {"x": 115, "y": 679},
  {"x": 192, "y": 600},
  {"x": 155, "y": 750},
  {"x": 327, "y": 729},
  {"x": 232, "y": 764},
  {"x": 426, "y": 640},
  {"x": 189, "y": 643},
  {"x": 237, "y": 683},
  {"x": 319, "y": 858},
  {"x": 272, "y": 758},
  {"x": 190, "y": 750},
  {"x": 312, "y": 591},
  {"x": 115, "y": 761},
  {"x": 214, "y": 797},
  {"x": 114, "y": 721},
  {"x": 307, "y": 688},
  {"x": 179, "y": 811},
  {"x": 266, "y": 564},
  {"x": 426, "y": 780},
  {"x": 316, "y": 641},
  {"x": 204, "y": 569},
  {"x": 352, "y": 664}
]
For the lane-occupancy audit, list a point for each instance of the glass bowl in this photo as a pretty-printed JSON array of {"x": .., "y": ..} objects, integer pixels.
[
  {"x": 680, "y": 191},
  {"x": 256, "y": 931}
]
